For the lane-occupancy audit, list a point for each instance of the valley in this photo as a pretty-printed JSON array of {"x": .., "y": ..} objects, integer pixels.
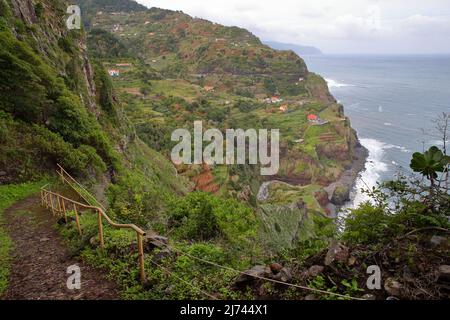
[{"x": 87, "y": 117}]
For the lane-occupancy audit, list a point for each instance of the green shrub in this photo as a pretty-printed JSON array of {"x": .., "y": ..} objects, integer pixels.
[
  {"x": 202, "y": 216},
  {"x": 372, "y": 224},
  {"x": 366, "y": 224}
]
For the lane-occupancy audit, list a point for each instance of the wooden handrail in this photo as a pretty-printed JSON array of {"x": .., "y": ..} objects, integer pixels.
[
  {"x": 47, "y": 198},
  {"x": 65, "y": 177}
]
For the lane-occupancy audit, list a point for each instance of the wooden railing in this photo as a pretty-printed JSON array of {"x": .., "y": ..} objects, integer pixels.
[
  {"x": 60, "y": 205},
  {"x": 78, "y": 188}
]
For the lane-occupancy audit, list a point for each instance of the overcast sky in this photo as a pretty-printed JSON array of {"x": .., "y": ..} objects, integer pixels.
[{"x": 334, "y": 26}]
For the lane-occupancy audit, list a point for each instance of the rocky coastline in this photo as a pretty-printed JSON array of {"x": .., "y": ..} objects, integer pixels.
[{"x": 340, "y": 190}]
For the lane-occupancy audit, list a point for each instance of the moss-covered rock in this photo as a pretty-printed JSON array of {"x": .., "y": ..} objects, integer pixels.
[{"x": 340, "y": 195}]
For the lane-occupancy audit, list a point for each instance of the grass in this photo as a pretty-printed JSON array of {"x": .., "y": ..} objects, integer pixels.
[
  {"x": 177, "y": 88},
  {"x": 283, "y": 193},
  {"x": 9, "y": 194}
]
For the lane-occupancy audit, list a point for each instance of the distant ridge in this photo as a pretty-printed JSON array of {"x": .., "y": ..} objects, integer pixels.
[
  {"x": 93, "y": 6},
  {"x": 300, "y": 50}
]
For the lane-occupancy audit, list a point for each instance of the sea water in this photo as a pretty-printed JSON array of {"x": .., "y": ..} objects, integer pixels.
[{"x": 390, "y": 100}]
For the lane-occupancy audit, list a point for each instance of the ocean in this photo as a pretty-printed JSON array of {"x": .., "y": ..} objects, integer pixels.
[{"x": 389, "y": 100}]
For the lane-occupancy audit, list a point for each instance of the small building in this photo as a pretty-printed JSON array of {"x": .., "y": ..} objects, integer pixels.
[
  {"x": 313, "y": 118},
  {"x": 273, "y": 99},
  {"x": 114, "y": 72},
  {"x": 284, "y": 108},
  {"x": 209, "y": 88}
]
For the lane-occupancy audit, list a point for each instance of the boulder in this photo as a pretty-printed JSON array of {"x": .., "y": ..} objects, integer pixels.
[
  {"x": 369, "y": 296},
  {"x": 253, "y": 273},
  {"x": 284, "y": 275},
  {"x": 276, "y": 267},
  {"x": 341, "y": 195},
  {"x": 439, "y": 241},
  {"x": 314, "y": 271},
  {"x": 444, "y": 273},
  {"x": 154, "y": 241},
  {"x": 337, "y": 253},
  {"x": 161, "y": 255},
  {"x": 392, "y": 287}
]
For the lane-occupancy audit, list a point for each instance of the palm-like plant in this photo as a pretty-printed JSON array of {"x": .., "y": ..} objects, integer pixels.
[{"x": 430, "y": 163}]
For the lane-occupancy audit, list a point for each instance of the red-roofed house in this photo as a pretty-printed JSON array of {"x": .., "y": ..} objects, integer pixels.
[
  {"x": 276, "y": 99},
  {"x": 312, "y": 117},
  {"x": 114, "y": 72}
]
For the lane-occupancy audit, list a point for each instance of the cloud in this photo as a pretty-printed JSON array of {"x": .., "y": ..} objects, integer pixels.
[
  {"x": 426, "y": 26},
  {"x": 360, "y": 26}
]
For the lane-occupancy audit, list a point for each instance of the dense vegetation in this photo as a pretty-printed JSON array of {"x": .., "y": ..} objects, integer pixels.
[
  {"x": 113, "y": 134},
  {"x": 393, "y": 231}
]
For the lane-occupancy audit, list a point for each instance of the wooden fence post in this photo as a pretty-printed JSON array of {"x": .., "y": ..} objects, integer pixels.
[
  {"x": 64, "y": 210},
  {"x": 77, "y": 220},
  {"x": 51, "y": 203},
  {"x": 100, "y": 228},
  {"x": 141, "y": 257},
  {"x": 59, "y": 205}
]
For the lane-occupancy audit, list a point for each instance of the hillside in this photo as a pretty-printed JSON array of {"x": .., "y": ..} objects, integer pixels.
[
  {"x": 103, "y": 102},
  {"x": 64, "y": 110},
  {"x": 175, "y": 68},
  {"x": 301, "y": 50}
]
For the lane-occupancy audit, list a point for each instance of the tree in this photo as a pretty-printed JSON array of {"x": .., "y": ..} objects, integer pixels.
[
  {"x": 270, "y": 86},
  {"x": 146, "y": 89}
]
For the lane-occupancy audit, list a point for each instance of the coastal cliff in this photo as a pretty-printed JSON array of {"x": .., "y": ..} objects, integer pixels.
[{"x": 171, "y": 69}]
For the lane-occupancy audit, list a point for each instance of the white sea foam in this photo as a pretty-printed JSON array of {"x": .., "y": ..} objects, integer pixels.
[
  {"x": 372, "y": 172},
  {"x": 393, "y": 146},
  {"x": 335, "y": 84},
  {"x": 388, "y": 124}
]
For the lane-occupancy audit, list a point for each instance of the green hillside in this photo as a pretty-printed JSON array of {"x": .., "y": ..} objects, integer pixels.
[
  {"x": 63, "y": 111},
  {"x": 103, "y": 102},
  {"x": 175, "y": 69}
]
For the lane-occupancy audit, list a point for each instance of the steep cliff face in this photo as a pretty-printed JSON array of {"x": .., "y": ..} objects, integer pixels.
[{"x": 58, "y": 106}]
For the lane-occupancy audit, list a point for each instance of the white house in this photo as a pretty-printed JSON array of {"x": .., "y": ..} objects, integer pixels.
[{"x": 114, "y": 72}]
